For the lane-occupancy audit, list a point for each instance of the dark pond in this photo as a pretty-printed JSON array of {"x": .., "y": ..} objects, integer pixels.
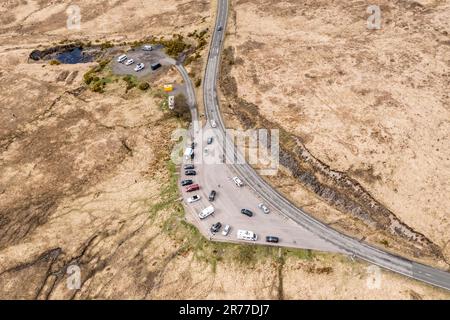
[{"x": 73, "y": 56}]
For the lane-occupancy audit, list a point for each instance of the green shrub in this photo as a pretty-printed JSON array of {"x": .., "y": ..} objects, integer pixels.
[
  {"x": 106, "y": 45},
  {"x": 98, "y": 87},
  {"x": 54, "y": 62},
  {"x": 174, "y": 46},
  {"x": 198, "y": 82},
  {"x": 144, "y": 86},
  {"x": 89, "y": 77},
  {"x": 131, "y": 82},
  {"x": 103, "y": 63}
]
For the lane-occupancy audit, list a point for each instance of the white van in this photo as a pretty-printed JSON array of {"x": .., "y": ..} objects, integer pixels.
[
  {"x": 246, "y": 235},
  {"x": 238, "y": 181},
  {"x": 188, "y": 153},
  {"x": 206, "y": 212},
  {"x": 122, "y": 58}
]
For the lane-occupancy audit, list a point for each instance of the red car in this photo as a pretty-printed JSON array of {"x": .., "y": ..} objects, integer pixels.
[{"x": 193, "y": 187}]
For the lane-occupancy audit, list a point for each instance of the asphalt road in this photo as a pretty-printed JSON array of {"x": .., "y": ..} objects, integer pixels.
[
  {"x": 275, "y": 200},
  {"x": 189, "y": 93}
]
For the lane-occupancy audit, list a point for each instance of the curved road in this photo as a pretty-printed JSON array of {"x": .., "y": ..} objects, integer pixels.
[{"x": 364, "y": 251}]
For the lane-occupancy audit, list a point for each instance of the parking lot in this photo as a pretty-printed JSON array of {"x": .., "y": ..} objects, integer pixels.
[
  {"x": 157, "y": 55},
  {"x": 229, "y": 201}
]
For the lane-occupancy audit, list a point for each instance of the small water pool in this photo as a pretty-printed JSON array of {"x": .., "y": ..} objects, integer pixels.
[{"x": 74, "y": 56}]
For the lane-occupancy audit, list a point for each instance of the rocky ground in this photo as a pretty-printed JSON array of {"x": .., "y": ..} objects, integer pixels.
[{"x": 86, "y": 180}]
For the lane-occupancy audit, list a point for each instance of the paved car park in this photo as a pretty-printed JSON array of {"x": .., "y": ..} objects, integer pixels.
[
  {"x": 230, "y": 199},
  {"x": 157, "y": 55}
]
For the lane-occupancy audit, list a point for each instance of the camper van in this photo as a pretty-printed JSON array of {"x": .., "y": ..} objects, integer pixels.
[
  {"x": 122, "y": 58},
  {"x": 206, "y": 212},
  {"x": 246, "y": 235}
]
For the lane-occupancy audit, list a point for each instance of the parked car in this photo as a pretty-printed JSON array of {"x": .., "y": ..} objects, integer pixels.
[
  {"x": 193, "y": 187},
  {"x": 186, "y": 182},
  {"x": 272, "y": 239},
  {"x": 147, "y": 48},
  {"x": 263, "y": 207},
  {"x": 194, "y": 198},
  {"x": 238, "y": 181},
  {"x": 139, "y": 67},
  {"x": 155, "y": 66},
  {"x": 226, "y": 230},
  {"x": 190, "y": 172},
  {"x": 129, "y": 62},
  {"x": 247, "y": 212},
  {"x": 189, "y": 167},
  {"x": 210, "y": 140},
  {"x": 212, "y": 195},
  {"x": 216, "y": 227},
  {"x": 206, "y": 212},
  {"x": 188, "y": 153},
  {"x": 122, "y": 58}
]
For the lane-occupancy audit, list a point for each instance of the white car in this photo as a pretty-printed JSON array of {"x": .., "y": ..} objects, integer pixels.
[
  {"x": 129, "y": 62},
  {"x": 139, "y": 67},
  {"x": 213, "y": 123},
  {"x": 238, "y": 181},
  {"x": 147, "y": 48},
  {"x": 263, "y": 207},
  {"x": 226, "y": 230},
  {"x": 188, "y": 153},
  {"x": 122, "y": 58},
  {"x": 194, "y": 198}
]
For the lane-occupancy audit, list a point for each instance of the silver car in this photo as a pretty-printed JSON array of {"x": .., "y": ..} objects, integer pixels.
[
  {"x": 139, "y": 67},
  {"x": 263, "y": 207},
  {"x": 226, "y": 230}
]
